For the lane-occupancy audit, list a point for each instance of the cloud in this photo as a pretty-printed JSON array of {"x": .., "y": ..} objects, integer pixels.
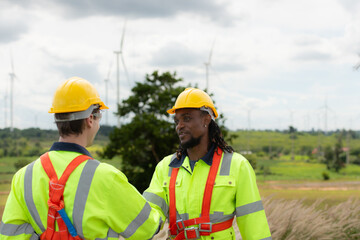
[
  {"x": 312, "y": 56},
  {"x": 176, "y": 54},
  {"x": 87, "y": 71},
  {"x": 133, "y": 9},
  {"x": 11, "y": 26}
]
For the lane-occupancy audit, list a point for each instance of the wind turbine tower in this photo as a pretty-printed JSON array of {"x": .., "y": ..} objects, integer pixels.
[
  {"x": 106, "y": 80},
  {"x": 12, "y": 78},
  {"x": 119, "y": 54},
  {"x": 5, "y": 109},
  {"x": 207, "y": 66}
]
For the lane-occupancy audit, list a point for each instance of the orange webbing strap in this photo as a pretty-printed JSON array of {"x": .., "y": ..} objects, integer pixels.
[
  {"x": 210, "y": 183},
  {"x": 172, "y": 201},
  {"x": 205, "y": 227},
  {"x": 56, "y": 198}
]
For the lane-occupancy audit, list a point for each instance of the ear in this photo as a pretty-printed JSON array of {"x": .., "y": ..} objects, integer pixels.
[
  {"x": 89, "y": 121},
  {"x": 207, "y": 119}
]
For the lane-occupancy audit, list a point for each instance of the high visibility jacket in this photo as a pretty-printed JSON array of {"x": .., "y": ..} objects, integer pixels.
[
  {"x": 235, "y": 194},
  {"x": 99, "y": 200}
]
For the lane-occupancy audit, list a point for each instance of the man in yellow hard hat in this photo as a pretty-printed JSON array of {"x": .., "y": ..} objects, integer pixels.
[
  {"x": 205, "y": 184},
  {"x": 66, "y": 194}
]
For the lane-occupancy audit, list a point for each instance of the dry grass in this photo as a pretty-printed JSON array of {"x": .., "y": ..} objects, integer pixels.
[{"x": 293, "y": 220}]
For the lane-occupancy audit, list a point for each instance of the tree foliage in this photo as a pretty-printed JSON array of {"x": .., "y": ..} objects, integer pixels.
[
  {"x": 334, "y": 156},
  {"x": 150, "y": 134}
]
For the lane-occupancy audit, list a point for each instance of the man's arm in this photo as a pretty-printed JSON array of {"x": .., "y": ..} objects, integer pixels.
[
  {"x": 250, "y": 214},
  {"x": 129, "y": 214},
  {"x": 156, "y": 194},
  {"x": 15, "y": 223}
]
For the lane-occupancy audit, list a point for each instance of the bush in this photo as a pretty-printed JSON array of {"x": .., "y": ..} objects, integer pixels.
[
  {"x": 325, "y": 176},
  {"x": 21, "y": 163}
]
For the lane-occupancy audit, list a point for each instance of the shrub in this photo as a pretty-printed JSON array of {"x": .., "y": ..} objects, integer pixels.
[
  {"x": 21, "y": 163},
  {"x": 325, "y": 176}
]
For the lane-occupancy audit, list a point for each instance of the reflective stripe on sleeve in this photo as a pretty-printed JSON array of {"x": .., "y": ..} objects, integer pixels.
[
  {"x": 226, "y": 163},
  {"x": 249, "y": 208},
  {"x": 15, "y": 230},
  {"x": 137, "y": 222},
  {"x": 157, "y": 200},
  {"x": 82, "y": 193},
  {"x": 29, "y": 196},
  {"x": 111, "y": 234},
  {"x": 268, "y": 238}
]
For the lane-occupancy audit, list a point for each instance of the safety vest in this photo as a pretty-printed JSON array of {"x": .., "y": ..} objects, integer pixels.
[
  {"x": 56, "y": 203},
  {"x": 96, "y": 197},
  {"x": 180, "y": 229},
  {"x": 234, "y": 195}
]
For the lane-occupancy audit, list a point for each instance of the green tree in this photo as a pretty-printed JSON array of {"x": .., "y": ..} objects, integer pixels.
[
  {"x": 149, "y": 134},
  {"x": 334, "y": 156}
]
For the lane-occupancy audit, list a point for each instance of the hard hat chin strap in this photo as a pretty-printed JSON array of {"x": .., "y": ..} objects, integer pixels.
[
  {"x": 208, "y": 110},
  {"x": 78, "y": 115}
]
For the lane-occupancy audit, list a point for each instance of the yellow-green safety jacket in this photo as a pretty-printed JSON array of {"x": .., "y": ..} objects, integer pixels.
[
  {"x": 235, "y": 193},
  {"x": 99, "y": 200}
]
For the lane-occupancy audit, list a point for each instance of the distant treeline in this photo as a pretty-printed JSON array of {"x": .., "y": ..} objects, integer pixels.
[
  {"x": 34, "y": 141},
  {"x": 46, "y": 134}
]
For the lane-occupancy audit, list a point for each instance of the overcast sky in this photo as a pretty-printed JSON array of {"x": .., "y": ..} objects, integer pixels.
[{"x": 274, "y": 63}]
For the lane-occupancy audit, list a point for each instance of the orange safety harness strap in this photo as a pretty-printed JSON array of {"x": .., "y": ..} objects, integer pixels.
[
  {"x": 56, "y": 200},
  {"x": 205, "y": 227}
]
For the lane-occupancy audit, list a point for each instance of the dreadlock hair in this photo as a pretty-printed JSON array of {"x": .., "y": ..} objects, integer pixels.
[{"x": 215, "y": 136}]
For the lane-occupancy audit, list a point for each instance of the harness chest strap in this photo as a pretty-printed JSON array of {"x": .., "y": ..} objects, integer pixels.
[
  {"x": 56, "y": 200},
  {"x": 178, "y": 228}
]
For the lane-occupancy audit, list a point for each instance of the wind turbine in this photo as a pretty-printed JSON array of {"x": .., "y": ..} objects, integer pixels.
[
  {"x": 119, "y": 54},
  {"x": 106, "y": 80},
  {"x": 207, "y": 65},
  {"x": 326, "y": 109},
  {"x": 5, "y": 108},
  {"x": 12, "y": 78}
]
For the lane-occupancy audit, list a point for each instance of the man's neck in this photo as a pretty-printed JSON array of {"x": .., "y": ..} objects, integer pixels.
[
  {"x": 197, "y": 152},
  {"x": 80, "y": 140}
]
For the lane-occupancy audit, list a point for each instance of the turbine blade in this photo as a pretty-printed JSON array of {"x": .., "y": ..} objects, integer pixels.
[
  {"x": 211, "y": 51},
  {"x": 12, "y": 62},
  {"x": 125, "y": 69},
  {"x": 122, "y": 37}
]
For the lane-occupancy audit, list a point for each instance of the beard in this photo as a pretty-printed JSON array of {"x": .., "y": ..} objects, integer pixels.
[{"x": 193, "y": 142}]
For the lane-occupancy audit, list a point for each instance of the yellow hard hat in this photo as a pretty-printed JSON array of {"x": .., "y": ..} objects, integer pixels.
[
  {"x": 75, "y": 95},
  {"x": 194, "y": 98}
]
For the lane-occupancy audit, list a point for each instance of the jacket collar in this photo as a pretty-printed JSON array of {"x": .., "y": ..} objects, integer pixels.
[
  {"x": 208, "y": 158},
  {"x": 70, "y": 147}
]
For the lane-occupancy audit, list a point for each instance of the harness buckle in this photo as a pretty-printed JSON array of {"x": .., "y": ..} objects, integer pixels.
[
  {"x": 206, "y": 229},
  {"x": 191, "y": 230},
  {"x": 180, "y": 225}
]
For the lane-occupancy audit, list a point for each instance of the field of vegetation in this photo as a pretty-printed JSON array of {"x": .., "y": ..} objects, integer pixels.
[{"x": 295, "y": 176}]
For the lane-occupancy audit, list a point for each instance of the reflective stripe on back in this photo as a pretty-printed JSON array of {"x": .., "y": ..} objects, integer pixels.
[
  {"x": 29, "y": 196},
  {"x": 15, "y": 230},
  {"x": 82, "y": 193},
  {"x": 137, "y": 222},
  {"x": 226, "y": 163}
]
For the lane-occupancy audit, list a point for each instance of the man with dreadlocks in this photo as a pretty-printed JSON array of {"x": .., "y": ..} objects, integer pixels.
[{"x": 205, "y": 184}]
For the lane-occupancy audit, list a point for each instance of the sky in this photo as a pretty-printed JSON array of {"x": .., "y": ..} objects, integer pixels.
[{"x": 274, "y": 63}]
